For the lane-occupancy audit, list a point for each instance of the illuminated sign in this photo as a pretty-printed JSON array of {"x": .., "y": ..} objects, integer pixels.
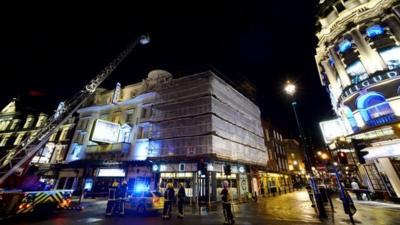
[
  {"x": 104, "y": 131},
  {"x": 117, "y": 94},
  {"x": 366, "y": 83},
  {"x": 111, "y": 173},
  {"x": 332, "y": 129}
]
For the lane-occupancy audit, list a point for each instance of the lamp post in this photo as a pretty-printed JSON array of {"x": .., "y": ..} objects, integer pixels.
[{"x": 290, "y": 89}]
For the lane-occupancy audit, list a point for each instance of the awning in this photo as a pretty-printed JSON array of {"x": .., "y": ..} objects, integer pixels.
[{"x": 380, "y": 151}]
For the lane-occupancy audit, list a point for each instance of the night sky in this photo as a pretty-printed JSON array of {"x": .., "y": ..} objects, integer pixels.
[{"x": 47, "y": 54}]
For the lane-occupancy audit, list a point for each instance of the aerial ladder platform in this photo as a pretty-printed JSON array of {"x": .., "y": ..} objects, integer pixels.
[{"x": 16, "y": 162}]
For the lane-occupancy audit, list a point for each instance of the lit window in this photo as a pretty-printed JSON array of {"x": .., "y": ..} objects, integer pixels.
[
  {"x": 129, "y": 116},
  {"x": 28, "y": 123},
  {"x": 4, "y": 141},
  {"x": 19, "y": 139},
  {"x": 391, "y": 57},
  {"x": 374, "y": 31},
  {"x": 357, "y": 72},
  {"x": 373, "y": 105},
  {"x": 344, "y": 46}
]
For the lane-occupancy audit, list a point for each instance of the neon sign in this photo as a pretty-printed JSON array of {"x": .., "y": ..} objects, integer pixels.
[{"x": 366, "y": 83}]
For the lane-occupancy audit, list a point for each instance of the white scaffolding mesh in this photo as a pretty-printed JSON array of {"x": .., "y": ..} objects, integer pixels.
[{"x": 201, "y": 114}]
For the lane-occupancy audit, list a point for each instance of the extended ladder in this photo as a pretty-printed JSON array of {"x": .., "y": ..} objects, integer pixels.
[{"x": 17, "y": 160}]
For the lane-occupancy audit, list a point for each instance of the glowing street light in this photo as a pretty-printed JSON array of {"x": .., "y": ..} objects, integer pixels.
[
  {"x": 324, "y": 156},
  {"x": 290, "y": 88}
]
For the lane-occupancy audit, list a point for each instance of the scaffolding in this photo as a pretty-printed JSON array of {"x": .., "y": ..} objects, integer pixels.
[{"x": 201, "y": 114}]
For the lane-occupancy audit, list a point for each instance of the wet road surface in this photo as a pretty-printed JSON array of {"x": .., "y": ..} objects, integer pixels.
[{"x": 293, "y": 208}]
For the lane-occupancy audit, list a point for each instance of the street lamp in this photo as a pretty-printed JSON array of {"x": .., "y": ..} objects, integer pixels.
[{"x": 290, "y": 89}]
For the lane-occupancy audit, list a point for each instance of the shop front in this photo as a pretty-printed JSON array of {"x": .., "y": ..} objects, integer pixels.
[
  {"x": 98, "y": 184},
  {"x": 272, "y": 184},
  {"x": 382, "y": 170},
  {"x": 203, "y": 187}
]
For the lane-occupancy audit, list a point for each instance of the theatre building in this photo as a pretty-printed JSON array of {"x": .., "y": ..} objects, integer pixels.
[
  {"x": 164, "y": 129},
  {"x": 358, "y": 57}
]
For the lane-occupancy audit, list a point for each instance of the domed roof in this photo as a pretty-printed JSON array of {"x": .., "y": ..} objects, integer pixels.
[{"x": 154, "y": 74}]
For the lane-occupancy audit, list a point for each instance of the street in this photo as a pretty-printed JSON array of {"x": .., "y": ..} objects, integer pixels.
[{"x": 292, "y": 208}]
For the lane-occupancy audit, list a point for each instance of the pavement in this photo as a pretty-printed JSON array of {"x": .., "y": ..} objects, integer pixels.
[{"x": 293, "y": 208}]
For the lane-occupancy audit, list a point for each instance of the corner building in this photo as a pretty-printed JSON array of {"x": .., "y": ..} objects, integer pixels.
[
  {"x": 201, "y": 117},
  {"x": 166, "y": 127},
  {"x": 358, "y": 58}
]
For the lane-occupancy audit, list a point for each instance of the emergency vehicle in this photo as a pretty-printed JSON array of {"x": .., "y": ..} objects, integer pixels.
[{"x": 17, "y": 202}]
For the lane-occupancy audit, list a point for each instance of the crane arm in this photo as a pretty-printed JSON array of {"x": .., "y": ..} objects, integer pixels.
[{"x": 22, "y": 154}]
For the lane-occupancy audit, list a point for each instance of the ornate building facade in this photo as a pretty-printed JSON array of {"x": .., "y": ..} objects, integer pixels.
[
  {"x": 358, "y": 58},
  {"x": 18, "y": 122},
  {"x": 164, "y": 129}
]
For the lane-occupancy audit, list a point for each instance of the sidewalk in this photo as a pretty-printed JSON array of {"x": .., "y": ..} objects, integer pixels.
[{"x": 379, "y": 203}]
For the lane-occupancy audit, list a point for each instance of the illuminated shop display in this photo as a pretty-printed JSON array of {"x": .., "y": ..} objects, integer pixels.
[
  {"x": 111, "y": 173},
  {"x": 332, "y": 129}
]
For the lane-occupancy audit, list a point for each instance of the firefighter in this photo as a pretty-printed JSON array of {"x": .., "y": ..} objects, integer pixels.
[
  {"x": 169, "y": 196},
  {"x": 120, "y": 197},
  {"x": 112, "y": 198},
  {"x": 226, "y": 203},
  {"x": 181, "y": 200}
]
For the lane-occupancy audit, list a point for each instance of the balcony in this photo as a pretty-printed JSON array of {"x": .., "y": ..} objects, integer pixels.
[{"x": 108, "y": 148}]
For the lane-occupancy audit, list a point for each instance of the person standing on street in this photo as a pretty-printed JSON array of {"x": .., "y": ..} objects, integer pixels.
[
  {"x": 111, "y": 202},
  {"x": 169, "y": 196},
  {"x": 181, "y": 200},
  {"x": 356, "y": 189},
  {"x": 226, "y": 203},
  {"x": 121, "y": 196}
]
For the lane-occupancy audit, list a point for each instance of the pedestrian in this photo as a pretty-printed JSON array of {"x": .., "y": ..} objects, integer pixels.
[
  {"x": 169, "y": 196},
  {"x": 356, "y": 189},
  {"x": 226, "y": 203},
  {"x": 181, "y": 200}
]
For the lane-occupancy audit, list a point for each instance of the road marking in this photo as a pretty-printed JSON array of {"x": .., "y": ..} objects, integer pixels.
[{"x": 89, "y": 220}]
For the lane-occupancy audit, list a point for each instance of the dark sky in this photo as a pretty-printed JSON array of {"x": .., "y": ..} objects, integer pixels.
[{"x": 56, "y": 50}]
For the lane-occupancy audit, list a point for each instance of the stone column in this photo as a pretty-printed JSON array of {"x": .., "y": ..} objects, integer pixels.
[
  {"x": 332, "y": 78},
  {"x": 371, "y": 60},
  {"x": 394, "y": 26},
  {"x": 340, "y": 68},
  {"x": 391, "y": 174},
  {"x": 396, "y": 10}
]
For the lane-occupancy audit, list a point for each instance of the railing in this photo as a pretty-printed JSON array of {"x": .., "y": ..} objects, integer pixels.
[{"x": 116, "y": 147}]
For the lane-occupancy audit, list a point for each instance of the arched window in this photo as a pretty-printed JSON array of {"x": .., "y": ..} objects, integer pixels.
[
  {"x": 350, "y": 117},
  {"x": 373, "y": 105}
]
